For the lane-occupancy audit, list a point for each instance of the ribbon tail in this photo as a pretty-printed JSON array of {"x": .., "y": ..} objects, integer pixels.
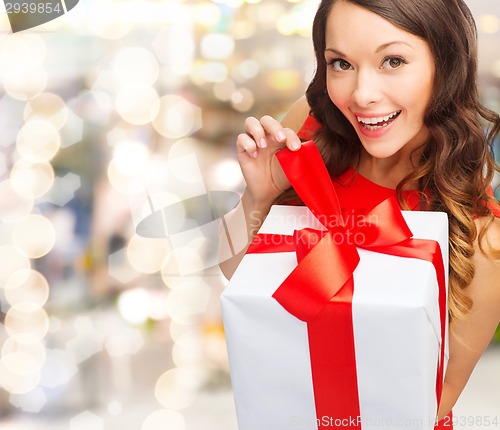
[{"x": 333, "y": 361}]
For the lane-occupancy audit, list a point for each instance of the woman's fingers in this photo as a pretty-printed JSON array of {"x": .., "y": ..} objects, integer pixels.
[
  {"x": 292, "y": 140},
  {"x": 260, "y": 133},
  {"x": 284, "y": 135},
  {"x": 253, "y": 127},
  {"x": 245, "y": 143}
]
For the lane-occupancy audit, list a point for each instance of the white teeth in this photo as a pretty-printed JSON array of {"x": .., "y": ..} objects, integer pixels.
[{"x": 376, "y": 120}]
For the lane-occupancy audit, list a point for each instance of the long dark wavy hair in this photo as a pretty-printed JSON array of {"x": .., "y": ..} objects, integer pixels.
[{"x": 457, "y": 165}]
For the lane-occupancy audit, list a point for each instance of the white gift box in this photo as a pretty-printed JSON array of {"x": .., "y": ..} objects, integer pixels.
[{"x": 397, "y": 335}]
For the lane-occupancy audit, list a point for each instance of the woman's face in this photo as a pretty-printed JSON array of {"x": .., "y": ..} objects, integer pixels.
[{"x": 380, "y": 77}]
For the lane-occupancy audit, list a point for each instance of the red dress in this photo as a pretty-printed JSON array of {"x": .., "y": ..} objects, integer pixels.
[{"x": 355, "y": 191}]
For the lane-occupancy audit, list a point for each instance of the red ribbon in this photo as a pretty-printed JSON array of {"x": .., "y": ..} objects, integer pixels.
[{"x": 319, "y": 290}]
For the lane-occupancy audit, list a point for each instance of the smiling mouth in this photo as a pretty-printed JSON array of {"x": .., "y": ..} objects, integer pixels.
[{"x": 379, "y": 122}]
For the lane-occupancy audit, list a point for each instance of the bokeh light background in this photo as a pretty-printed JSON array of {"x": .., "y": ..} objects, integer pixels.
[{"x": 107, "y": 115}]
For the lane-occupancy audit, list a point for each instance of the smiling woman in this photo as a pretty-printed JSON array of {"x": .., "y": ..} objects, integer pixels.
[
  {"x": 381, "y": 78},
  {"x": 394, "y": 109}
]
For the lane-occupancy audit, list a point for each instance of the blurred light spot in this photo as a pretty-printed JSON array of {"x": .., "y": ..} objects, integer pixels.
[
  {"x": 20, "y": 363},
  {"x": 134, "y": 305},
  {"x": 224, "y": 90},
  {"x": 138, "y": 105},
  {"x": 177, "y": 389},
  {"x": 131, "y": 157},
  {"x": 19, "y": 373},
  {"x": 72, "y": 131},
  {"x": 184, "y": 147},
  {"x": 284, "y": 80},
  {"x": 13, "y": 206},
  {"x": 188, "y": 302},
  {"x": 187, "y": 352},
  {"x": 207, "y": 14},
  {"x": 267, "y": 13},
  {"x": 28, "y": 319},
  {"x": 59, "y": 368},
  {"x": 146, "y": 255},
  {"x": 48, "y": 106},
  {"x": 120, "y": 269},
  {"x": 248, "y": 69},
  {"x": 135, "y": 65},
  {"x": 177, "y": 117},
  {"x": 177, "y": 330},
  {"x": 159, "y": 305},
  {"x": 217, "y": 46},
  {"x": 286, "y": 25},
  {"x": 175, "y": 47},
  {"x": 86, "y": 421},
  {"x": 31, "y": 179},
  {"x": 34, "y": 235},
  {"x": 32, "y": 402},
  {"x": 27, "y": 285},
  {"x": 12, "y": 262},
  {"x": 210, "y": 71},
  {"x": 181, "y": 261},
  {"x": 242, "y": 100},
  {"x": 87, "y": 342},
  {"x": 64, "y": 189},
  {"x": 123, "y": 181},
  {"x": 11, "y": 118},
  {"x": 116, "y": 135},
  {"x": 127, "y": 341},
  {"x": 27, "y": 345},
  {"x": 488, "y": 24},
  {"x": 115, "y": 408},
  {"x": 38, "y": 141},
  {"x": 164, "y": 419},
  {"x": 186, "y": 168},
  {"x": 23, "y": 83},
  {"x": 23, "y": 49},
  {"x": 95, "y": 106},
  {"x": 234, "y": 3},
  {"x": 109, "y": 21},
  {"x": 242, "y": 29},
  {"x": 227, "y": 174}
]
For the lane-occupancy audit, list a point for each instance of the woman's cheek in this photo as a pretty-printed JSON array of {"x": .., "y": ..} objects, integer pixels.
[{"x": 338, "y": 95}]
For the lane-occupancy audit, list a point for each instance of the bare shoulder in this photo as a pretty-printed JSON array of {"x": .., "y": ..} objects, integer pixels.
[
  {"x": 491, "y": 238},
  {"x": 296, "y": 115},
  {"x": 486, "y": 283}
]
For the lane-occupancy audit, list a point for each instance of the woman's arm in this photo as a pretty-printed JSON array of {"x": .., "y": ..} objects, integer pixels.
[
  {"x": 470, "y": 337},
  {"x": 264, "y": 178}
]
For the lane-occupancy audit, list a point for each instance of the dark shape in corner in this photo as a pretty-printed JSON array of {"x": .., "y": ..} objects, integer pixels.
[{"x": 26, "y": 14}]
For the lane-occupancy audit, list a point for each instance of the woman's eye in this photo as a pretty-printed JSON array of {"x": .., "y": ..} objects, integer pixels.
[
  {"x": 393, "y": 63},
  {"x": 340, "y": 65}
]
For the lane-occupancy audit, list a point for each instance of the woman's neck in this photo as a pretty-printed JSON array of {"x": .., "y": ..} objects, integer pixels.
[{"x": 387, "y": 172}]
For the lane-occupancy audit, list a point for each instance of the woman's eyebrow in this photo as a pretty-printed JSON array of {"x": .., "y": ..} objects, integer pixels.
[
  {"x": 379, "y": 49},
  {"x": 386, "y": 45}
]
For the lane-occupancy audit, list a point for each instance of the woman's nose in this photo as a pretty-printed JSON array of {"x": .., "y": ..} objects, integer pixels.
[{"x": 367, "y": 89}]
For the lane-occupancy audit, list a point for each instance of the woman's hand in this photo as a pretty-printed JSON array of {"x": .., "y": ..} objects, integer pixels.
[{"x": 256, "y": 150}]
